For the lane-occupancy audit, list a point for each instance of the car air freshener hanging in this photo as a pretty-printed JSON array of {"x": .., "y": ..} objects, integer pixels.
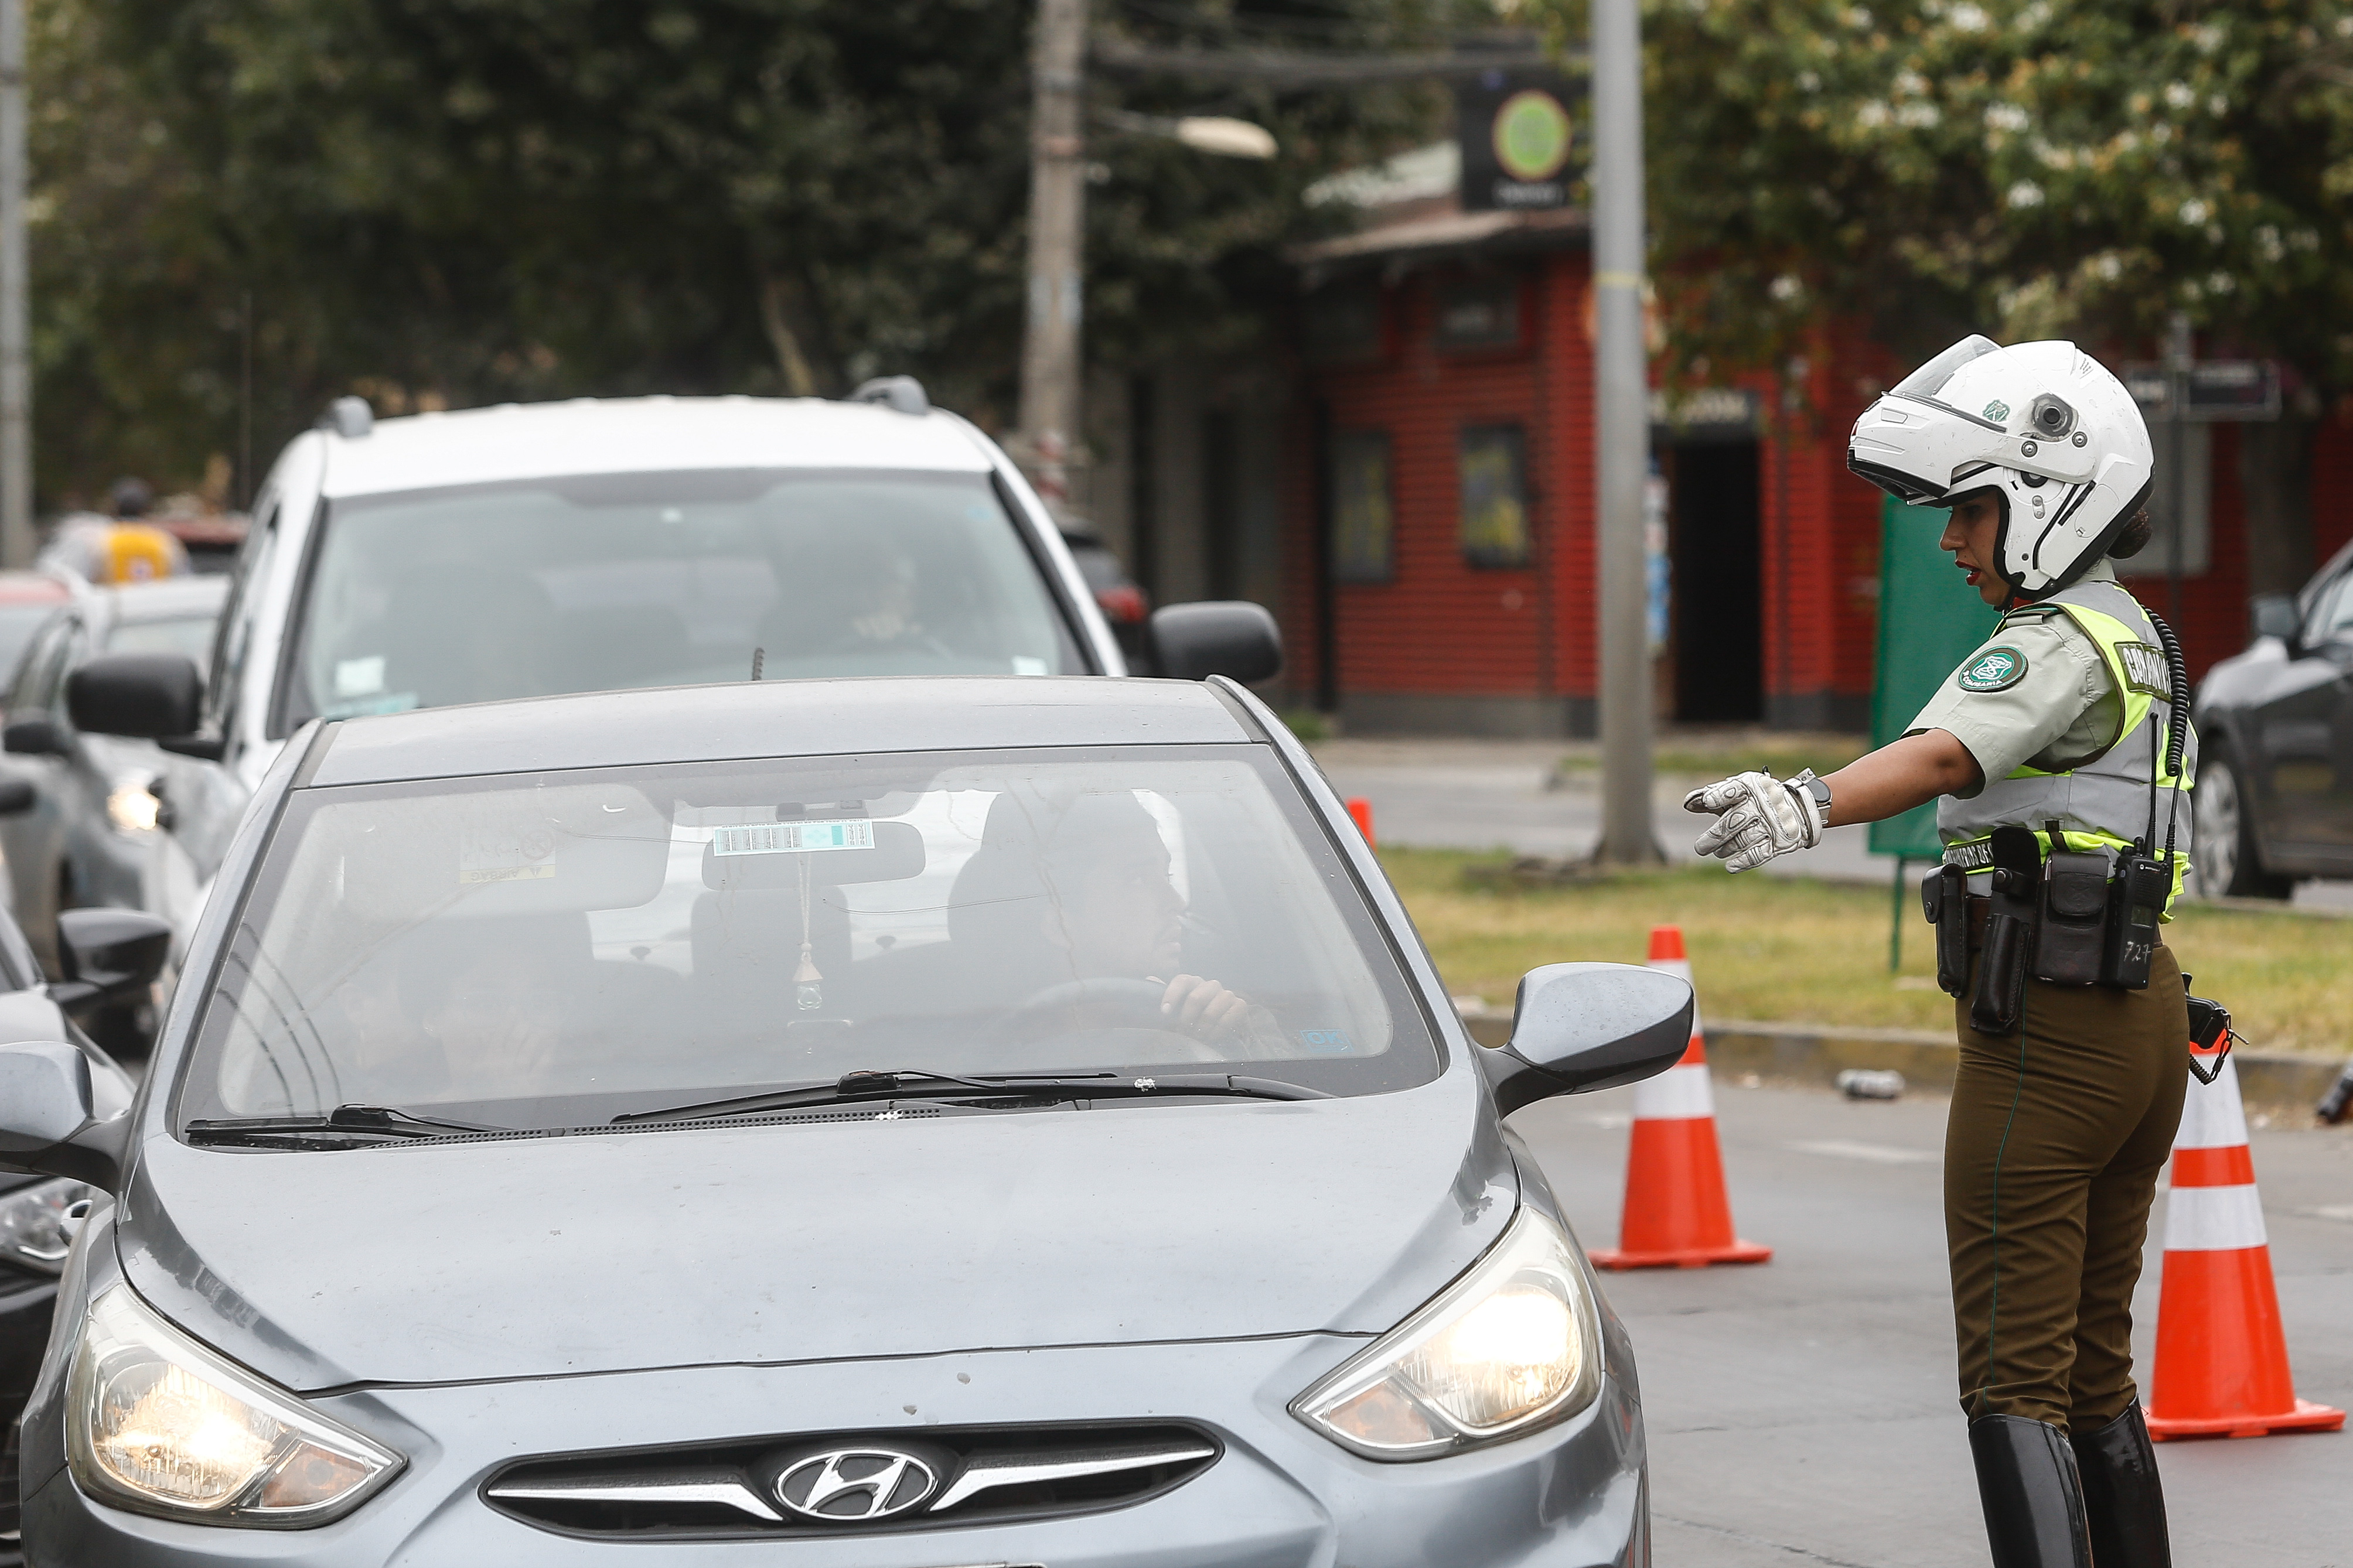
[{"x": 808, "y": 981}]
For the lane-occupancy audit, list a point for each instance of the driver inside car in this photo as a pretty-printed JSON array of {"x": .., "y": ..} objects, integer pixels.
[{"x": 1116, "y": 913}]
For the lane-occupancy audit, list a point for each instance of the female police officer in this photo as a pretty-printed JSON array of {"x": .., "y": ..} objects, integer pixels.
[{"x": 2053, "y": 749}]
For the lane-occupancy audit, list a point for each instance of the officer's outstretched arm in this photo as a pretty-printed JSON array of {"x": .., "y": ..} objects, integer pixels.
[{"x": 1760, "y": 816}]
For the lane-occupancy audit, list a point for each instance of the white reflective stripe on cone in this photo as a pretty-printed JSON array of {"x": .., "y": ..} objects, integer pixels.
[
  {"x": 1677, "y": 1094},
  {"x": 2212, "y": 1116},
  {"x": 2214, "y": 1219}
]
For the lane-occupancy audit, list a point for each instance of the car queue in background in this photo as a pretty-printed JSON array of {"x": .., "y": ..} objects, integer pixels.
[
  {"x": 1142, "y": 1193},
  {"x": 536, "y": 549},
  {"x": 89, "y": 835},
  {"x": 2274, "y": 795}
]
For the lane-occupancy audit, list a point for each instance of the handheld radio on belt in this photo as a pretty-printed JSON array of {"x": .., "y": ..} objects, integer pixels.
[
  {"x": 2144, "y": 881},
  {"x": 2070, "y": 917}
]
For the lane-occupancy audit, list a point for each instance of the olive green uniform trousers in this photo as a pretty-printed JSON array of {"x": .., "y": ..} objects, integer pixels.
[{"x": 2051, "y": 1154}]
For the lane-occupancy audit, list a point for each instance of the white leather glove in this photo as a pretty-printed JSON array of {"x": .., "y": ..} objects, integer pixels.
[{"x": 1758, "y": 817}]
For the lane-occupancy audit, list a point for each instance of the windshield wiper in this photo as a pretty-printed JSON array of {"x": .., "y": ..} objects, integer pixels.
[
  {"x": 345, "y": 1127},
  {"x": 906, "y": 1084}
]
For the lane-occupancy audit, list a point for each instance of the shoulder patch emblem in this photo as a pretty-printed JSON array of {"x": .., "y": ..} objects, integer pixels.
[
  {"x": 1997, "y": 411},
  {"x": 2144, "y": 668},
  {"x": 1996, "y": 669}
]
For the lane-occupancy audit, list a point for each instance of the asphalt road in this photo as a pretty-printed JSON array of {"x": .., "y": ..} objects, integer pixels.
[{"x": 1803, "y": 1412}]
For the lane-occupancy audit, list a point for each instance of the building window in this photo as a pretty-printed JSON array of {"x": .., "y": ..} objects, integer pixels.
[
  {"x": 1494, "y": 495},
  {"x": 1479, "y": 313},
  {"x": 1342, "y": 326},
  {"x": 1364, "y": 522}
]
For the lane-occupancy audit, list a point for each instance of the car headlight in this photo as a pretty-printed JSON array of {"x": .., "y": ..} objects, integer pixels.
[
  {"x": 38, "y": 1224},
  {"x": 133, "y": 807},
  {"x": 1513, "y": 1345},
  {"x": 158, "y": 1424}
]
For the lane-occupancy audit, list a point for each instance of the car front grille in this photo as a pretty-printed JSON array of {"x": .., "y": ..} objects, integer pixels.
[{"x": 851, "y": 1483}]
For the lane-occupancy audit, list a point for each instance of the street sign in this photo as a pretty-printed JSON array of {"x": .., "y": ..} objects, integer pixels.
[
  {"x": 1517, "y": 136},
  {"x": 2214, "y": 389}
]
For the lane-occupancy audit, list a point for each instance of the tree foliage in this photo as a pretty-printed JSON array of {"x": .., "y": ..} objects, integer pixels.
[
  {"x": 2030, "y": 168},
  {"x": 451, "y": 202}
]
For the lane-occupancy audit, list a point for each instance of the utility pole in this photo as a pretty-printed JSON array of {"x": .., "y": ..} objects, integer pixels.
[
  {"x": 1050, "y": 431},
  {"x": 1621, "y": 400},
  {"x": 16, "y": 374}
]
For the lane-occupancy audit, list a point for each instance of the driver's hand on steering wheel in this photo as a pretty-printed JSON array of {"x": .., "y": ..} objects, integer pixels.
[{"x": 1203, "y": 1008}]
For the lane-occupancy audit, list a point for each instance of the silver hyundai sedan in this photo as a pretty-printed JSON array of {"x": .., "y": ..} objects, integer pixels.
[{"x": 861, "y": 1122}]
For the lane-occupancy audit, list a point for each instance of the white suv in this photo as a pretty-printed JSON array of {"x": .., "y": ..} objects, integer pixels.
[{"x": 524, "y": 551}]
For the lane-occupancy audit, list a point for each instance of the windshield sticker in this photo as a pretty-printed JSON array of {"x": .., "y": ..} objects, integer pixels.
[
  {"x": 367, "y": 707},
  {"x": 1996, "y": 669},
  {"x": 792, "y": 837},
  {"x": 1328, "y": 1042},
  {"x": 505, "y": 853},
  {"x": 359, "y": 677}
]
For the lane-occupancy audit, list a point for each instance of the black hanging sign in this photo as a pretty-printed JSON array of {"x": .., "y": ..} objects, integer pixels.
[{"x": 1518, "y": 141}]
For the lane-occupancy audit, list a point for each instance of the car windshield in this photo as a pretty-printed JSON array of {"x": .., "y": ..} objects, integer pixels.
[
  {"x": 188, "y": 635},
  {"x": 554, "y": 949},
  {"x": 481, "y": 593}
]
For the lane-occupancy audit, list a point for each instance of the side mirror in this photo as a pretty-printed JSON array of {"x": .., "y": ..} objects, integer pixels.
[
  {"x": 146, "y": 696},
  {"x": 17, "y": 796},
  {"x": 2275, "y": 615},
  {"x": 1232, "y": 637},
  {"x": 1579, "y": 1027},
  {"x": 108, "y": 954},
  {"x": 33, "y": 735},
  {"x": 47, "y": 1118}
]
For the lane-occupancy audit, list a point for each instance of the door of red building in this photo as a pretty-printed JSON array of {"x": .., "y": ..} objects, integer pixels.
[{"x": 1716, "y": 625}]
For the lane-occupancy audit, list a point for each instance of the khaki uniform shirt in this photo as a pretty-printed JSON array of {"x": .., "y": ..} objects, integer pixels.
[{"x": 2059, "y": 710}]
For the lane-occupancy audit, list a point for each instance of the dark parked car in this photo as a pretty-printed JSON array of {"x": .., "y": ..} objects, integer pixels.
[
  {"x": 844, "y": 1121},
  {"x": 2274, "y": 797},
  {"x": 90, "y": 836},
  {"x": 1122, "y": 601}
]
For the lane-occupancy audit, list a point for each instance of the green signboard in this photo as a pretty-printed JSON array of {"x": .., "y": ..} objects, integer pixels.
[{"x": 1929, "y": 620}]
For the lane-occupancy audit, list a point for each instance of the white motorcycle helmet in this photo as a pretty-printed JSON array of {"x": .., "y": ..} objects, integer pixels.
[{"x": 2044, "y": 425}]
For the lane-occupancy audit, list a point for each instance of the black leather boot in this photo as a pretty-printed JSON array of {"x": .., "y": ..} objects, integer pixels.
[
  {"x": 2122, "y": 1498},
  {"x": 2033, "y": 1501}
]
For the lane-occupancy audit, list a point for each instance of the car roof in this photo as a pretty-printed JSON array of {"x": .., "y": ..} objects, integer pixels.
[
  {"x": 772, "y": 719},
  {"x": 643, "y": 435},
  {"x": 166, "y": 598}
]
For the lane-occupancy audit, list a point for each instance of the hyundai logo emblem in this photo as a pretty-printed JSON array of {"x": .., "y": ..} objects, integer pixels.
[{"x": 855, "y": 1485}]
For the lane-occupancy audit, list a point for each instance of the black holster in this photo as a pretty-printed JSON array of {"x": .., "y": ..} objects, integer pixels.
[
  {"x": 1945, "y": 900},
  {"x": 2000, "y": 998}
]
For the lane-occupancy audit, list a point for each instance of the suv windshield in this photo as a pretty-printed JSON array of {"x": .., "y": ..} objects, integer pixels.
[
  {"x": 479, "y": 593},
  {"x": 558, "y": 949}
]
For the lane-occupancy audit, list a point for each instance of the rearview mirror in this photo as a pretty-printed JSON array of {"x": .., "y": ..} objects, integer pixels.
[
  {"x": 1232, "y": 637},
  {"x": 2275, "y": 615},
  {"x": 1580, "y": 1026},
  {"x": 48, "y": 1121},
  {"x": 145, "y": 696},
  {"x": 33, "y": 735},
  {"x": 108, "y": 954}
]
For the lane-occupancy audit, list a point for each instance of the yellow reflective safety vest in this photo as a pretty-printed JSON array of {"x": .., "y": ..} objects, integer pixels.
[{"x": 2101, "y": 804}]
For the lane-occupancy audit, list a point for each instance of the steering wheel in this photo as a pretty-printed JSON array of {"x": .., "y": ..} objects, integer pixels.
[{"x": 1114, "y": 1003}]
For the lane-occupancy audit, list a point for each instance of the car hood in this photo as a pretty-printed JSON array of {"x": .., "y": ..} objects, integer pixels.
[{"x": 444, "y": 1262}]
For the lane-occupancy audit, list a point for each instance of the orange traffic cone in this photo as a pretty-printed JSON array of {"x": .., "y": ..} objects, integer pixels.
[
  {"x": 2222, "y": 1360},
  {"x": 1676, "y": 1214},
  {"x": 1361, "y": 810}
]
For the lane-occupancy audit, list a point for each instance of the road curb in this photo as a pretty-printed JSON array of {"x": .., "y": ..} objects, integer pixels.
[{"x": 1813, "y": 1055}]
